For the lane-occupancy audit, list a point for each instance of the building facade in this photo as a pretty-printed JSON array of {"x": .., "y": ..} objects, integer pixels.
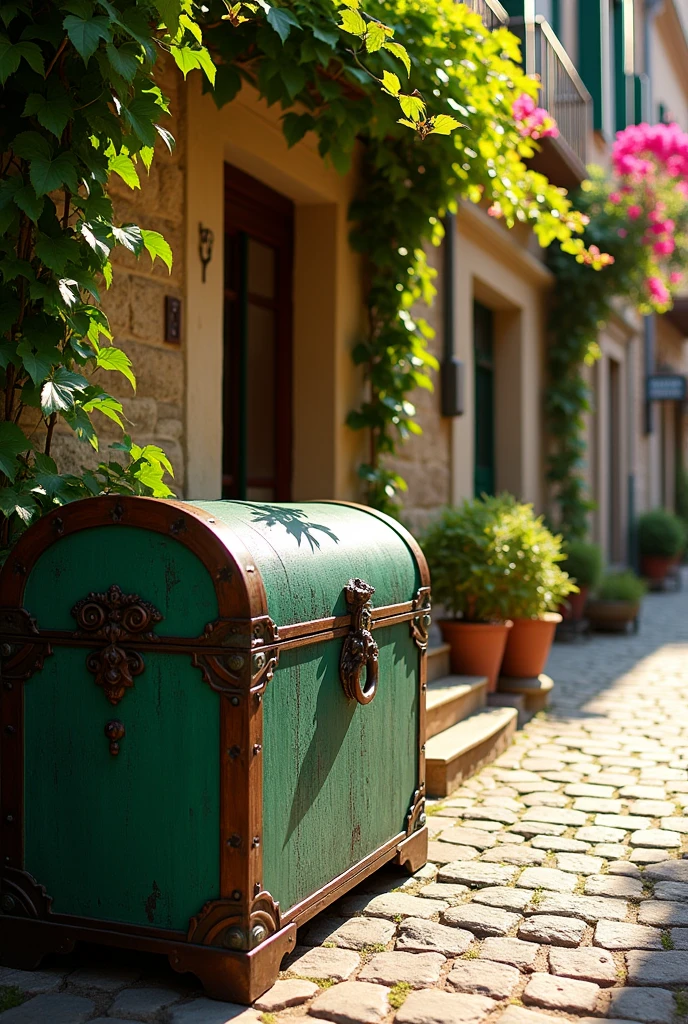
[{"x": 243, "y": 354}]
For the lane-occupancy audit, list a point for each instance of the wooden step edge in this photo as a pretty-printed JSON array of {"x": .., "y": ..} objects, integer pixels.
[
  {"x": 437, "y": 662},
  {"x": 452, "y": 699},
  {"x": 447, "y": 688},
  {"x": 455, "y": 754},
  {"x": 529, "y": 685}
]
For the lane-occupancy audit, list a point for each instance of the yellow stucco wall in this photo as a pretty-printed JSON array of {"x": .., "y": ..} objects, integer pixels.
[{"x": 327, "y": 294}]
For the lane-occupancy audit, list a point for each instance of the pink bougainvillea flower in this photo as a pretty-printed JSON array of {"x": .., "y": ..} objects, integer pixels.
[
  {"x": 622, "y": 233},
  {"x": 634, "y": 212},
  {"x": 523, "y": 106},
  {"x": 675, "y": 276},
  {"x": 658, "y": 290},
  {"x": 665, "y": 247},
  {"x": 615, "y": 197},
  {"x": 495, "y": 210}
]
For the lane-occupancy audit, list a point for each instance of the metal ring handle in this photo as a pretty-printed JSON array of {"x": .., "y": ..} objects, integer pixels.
[{"x": 360, "y": 652}]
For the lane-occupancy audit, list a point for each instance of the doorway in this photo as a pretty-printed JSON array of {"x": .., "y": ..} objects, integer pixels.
[
  {"x": 257, "y": 375},
  {"x": 483, "y": 352},
  {"x": 614, "y": 507}
]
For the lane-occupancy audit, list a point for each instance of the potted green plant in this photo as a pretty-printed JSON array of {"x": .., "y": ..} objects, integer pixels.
[
  {"x": 469, "y": 568},
  {"x": 661, "y": 539},
  {"x": 617, "y": 601},
  {"x": 583, "y": 563},
  {"x": 537, "y": 586}
]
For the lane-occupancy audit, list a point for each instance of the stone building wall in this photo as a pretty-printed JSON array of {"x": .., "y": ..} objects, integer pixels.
[
  {"x": 135, "y": 306},
  {"x": 425, "y": 460}
]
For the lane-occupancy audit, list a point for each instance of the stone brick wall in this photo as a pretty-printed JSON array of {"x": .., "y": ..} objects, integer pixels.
[
  {"x": 425, "y": 460},
  {"x": 135, "y": 306}
]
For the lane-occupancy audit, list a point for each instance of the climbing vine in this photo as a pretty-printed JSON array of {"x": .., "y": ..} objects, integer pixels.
[
  {"x": 79, "y": 103},
  {"x": 638, "y": 215},
  {"x": 330, "y": 81}
]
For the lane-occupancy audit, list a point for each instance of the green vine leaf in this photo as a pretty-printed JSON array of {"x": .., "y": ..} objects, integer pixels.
[
  {"x": 11, "y": 54},
  {"x": 123, "y": 166},
  {"x": 413, "y": 107},
  {"x": 390, "y": 83},
  {"x": 59, "y": 394},
  {"x": 111, "y": 358},
  {"x": 375, "y": 36},
  {"x": 352, "y": 22},
  {"x": 400, "y": 52},
  {"x": 13, "y": 442},
  {"x": 282, "y": 21},
  {"x": 155, "y": 245},
  {"x": 444, "y": 124},
  {"x": 85, "y": 34}
]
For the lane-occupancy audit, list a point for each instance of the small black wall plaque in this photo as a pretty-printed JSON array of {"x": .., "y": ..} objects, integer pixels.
[
  {"x": 666, "y": 387},
  {"x": 173, "y": 320}
]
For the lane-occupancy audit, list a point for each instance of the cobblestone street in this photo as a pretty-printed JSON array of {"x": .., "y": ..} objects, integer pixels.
[{"x": 556, "y": 887}]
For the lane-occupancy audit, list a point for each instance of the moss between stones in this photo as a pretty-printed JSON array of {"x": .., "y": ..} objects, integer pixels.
[
  {"x": 10, "y": 995},
  {"x": 398, "y": 994}
]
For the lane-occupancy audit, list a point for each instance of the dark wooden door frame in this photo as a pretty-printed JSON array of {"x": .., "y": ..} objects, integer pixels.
[{"x": 253, "y": 210}]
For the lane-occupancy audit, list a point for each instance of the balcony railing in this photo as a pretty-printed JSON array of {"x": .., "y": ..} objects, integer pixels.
[
  {"x": 563, "y": 93},
  {"x": 491, "y": 11}
]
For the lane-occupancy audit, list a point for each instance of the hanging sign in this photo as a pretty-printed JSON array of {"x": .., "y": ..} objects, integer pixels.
[{"x": 666, "y": 387}]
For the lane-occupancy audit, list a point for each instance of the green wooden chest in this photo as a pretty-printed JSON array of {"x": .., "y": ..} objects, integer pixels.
[{"x": 212, "y": 726}]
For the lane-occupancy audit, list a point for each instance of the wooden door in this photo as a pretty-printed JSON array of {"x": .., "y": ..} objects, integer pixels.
[
  {"x": 259, "y": 242},
  {"x": 483, "y": 347}
]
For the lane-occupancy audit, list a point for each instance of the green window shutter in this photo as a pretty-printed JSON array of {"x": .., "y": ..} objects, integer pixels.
[
  {"x": 662, "y": 113},
  {"x": 640, "y": 96},
  {"x": 590, "y": 54},
  {"x": 556, "y": 18},
  {"x": 514, "y": 8},
  {"x": 622, "y": 116},
  {"x": 484, "y": 450}
]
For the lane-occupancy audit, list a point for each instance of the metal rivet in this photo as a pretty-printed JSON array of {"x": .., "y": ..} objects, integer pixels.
[
  {"x": 234, "y": 752},
  {"x": 234, "y": 840},
  {"x": 8, "y": 903},
  {"x": 234, "y": 938},
  {"x": 8, "y": 685},
  {"x": 422, "y": 749},
  {"x": 255, "y": 841},
  {"x": 10, "y": 730},
  {"x": 6, "y": 650},
  {"x": 256, "y": 888},
  {"x": 9, "y": 818},
  {"x": 258, "y": 933},
  {"x": 236, "y": 895},
  {"x": 257, "y": 748},
  {"x": 235, "y": 662},
  {"x": 234, "y": 701}
]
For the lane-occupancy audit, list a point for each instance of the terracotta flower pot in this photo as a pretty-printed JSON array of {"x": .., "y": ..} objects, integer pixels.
[
  {"x": 528, "y": 645},
  {"x": 656, "y": 567},
  {"x": 573, "y": 608},
  {"x": 477, "y": 648},
  {"x": 613, "y": 615}
]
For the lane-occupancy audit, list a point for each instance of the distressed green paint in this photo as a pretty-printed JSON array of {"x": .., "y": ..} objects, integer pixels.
[
  {"x": 156, "y": 567},
  {"x": 307, "y": 552},
  {"x": 338, "y": 776},
  {"x": 132, "y": 838}
]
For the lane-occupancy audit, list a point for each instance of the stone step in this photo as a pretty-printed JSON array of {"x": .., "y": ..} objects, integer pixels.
[
  {"x": 451, "y": 699},
  {"x": 536, "y": 691},
  {"x": 438, "y": 662},
  {"x": 461, "y": 750}
]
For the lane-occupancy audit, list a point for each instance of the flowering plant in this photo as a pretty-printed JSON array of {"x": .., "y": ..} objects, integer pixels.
[
  {"x": 637, "y": 226},
  {"x": 648, "y": 196},
  {"x": 533, "y": 122}
]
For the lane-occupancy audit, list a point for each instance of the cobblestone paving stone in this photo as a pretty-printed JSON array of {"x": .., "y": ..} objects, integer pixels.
[{"x": 557, "y": 888}]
